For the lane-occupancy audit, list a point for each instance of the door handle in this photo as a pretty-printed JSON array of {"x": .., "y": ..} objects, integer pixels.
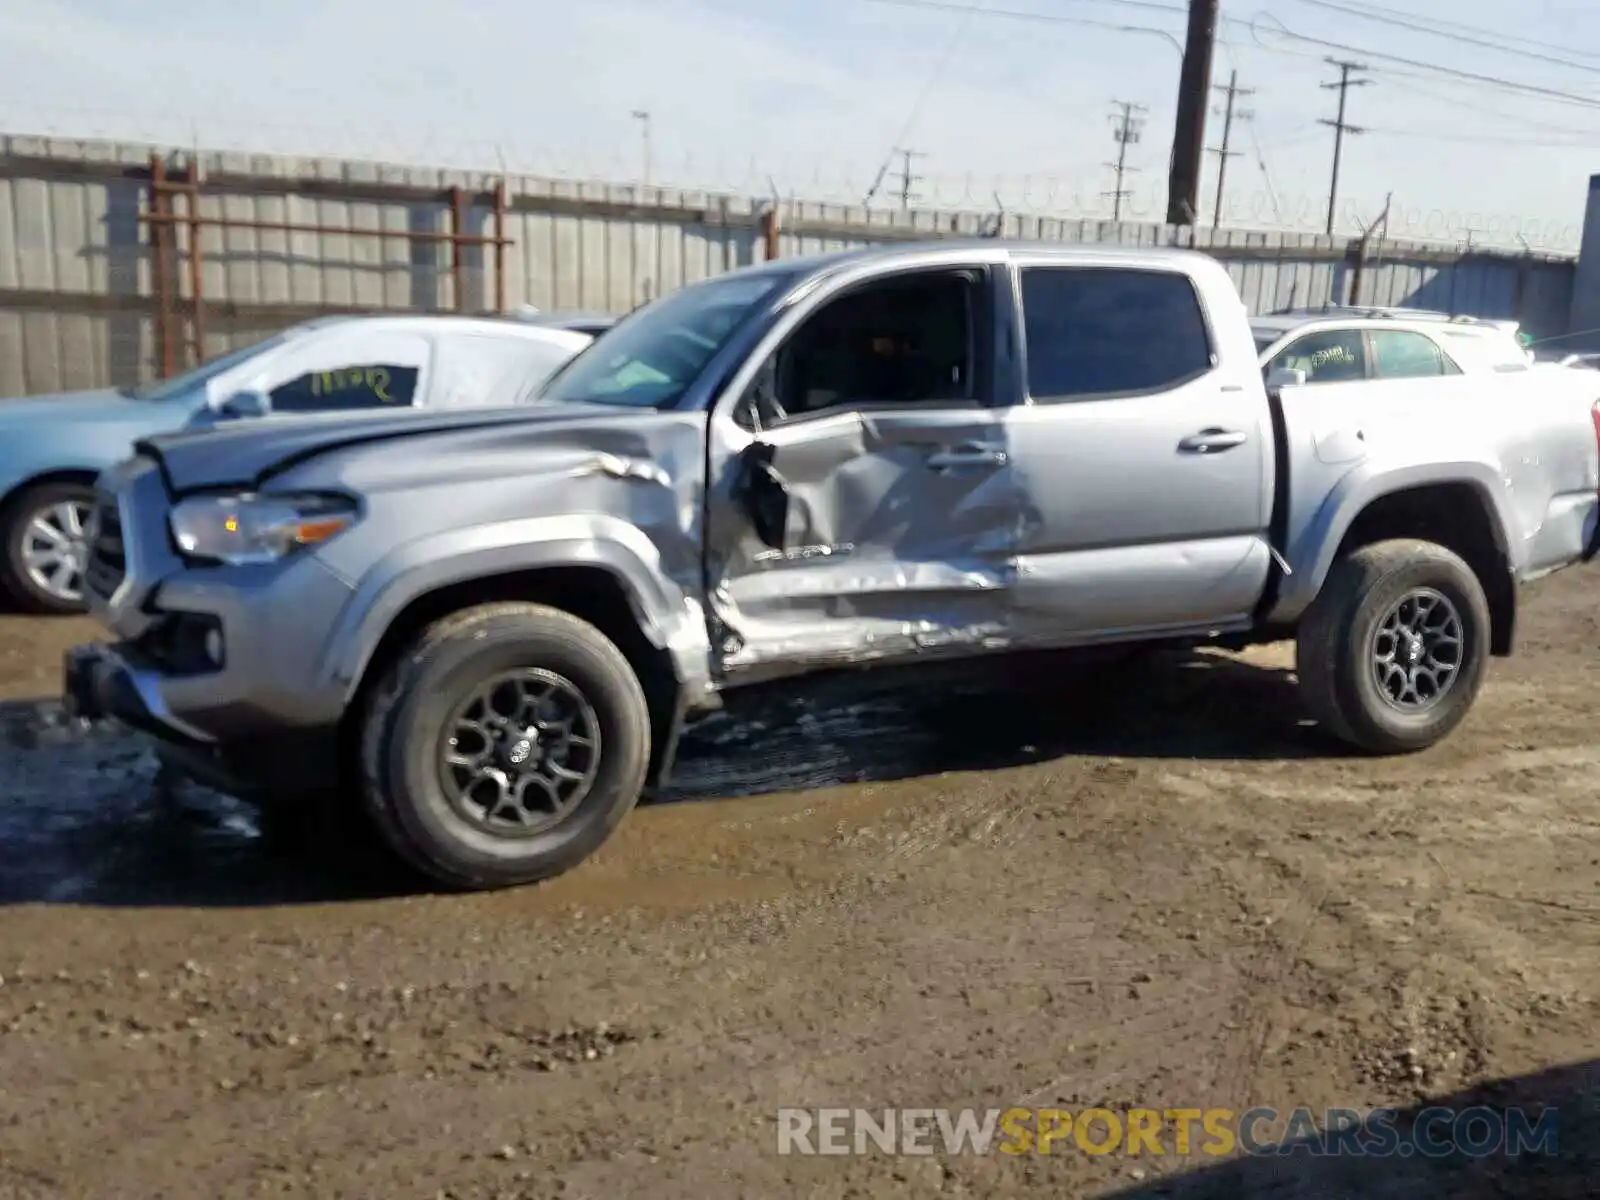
[
  {"x": 1212, "y": 441},
  {"x": 969, "y": 454}
]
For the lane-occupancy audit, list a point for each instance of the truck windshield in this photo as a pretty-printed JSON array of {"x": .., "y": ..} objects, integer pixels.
[
  {"x": 165, "y": 389},
  {"x": 653, "y": 356}
]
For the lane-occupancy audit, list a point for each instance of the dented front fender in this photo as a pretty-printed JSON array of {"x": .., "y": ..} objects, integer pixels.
[{"x": 669, "y": 618}]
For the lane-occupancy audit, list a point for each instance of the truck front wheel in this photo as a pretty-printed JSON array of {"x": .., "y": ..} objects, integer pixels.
[
  {"x": 1392, "y": 653},
  {"x": 504, "y": 746}
]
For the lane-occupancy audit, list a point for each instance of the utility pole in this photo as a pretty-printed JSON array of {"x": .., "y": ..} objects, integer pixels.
[
  {"x": 907, "y": 179},
  {"x": 1340, "y": 126},
  {"x": 643, "y": 117},
  {"x": 1225, "y": 151},
  {"x": 1126, "y": 127},
  {"x": 1189, "y": 127}
]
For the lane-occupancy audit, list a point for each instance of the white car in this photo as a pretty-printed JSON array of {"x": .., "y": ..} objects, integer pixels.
[{"x": 1346, "y": 345}]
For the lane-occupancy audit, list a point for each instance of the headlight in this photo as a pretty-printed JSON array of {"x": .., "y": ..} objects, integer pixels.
[{"x": 250, "y": 528}]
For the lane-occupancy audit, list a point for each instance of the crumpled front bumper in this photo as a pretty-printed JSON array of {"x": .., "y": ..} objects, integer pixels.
[
  {"x": 98, "y": 682},
  {"x": 106, "y": 682}
]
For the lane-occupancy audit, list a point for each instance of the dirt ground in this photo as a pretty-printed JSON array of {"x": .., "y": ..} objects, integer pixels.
[{"x": 1157, "y": 889}]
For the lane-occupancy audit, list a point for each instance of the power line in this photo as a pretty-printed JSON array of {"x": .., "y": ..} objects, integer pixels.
[
  {"x": 1498, "y": 39},
  {"x": 1232, "y": 91},
  {"x": 1266, "y": 22},
  {"x": 973, "y": 10},
  {"x": 1266, "y": 174},
  {"x": 1340, "y": 125},
  {"x": 1405, "y": 82},
  {"x": 1578, "y": 141},
  {"x": 1449, "y": 35},
  {"x": 1445, "y": 76},
  {"x": 1495, "y": 81},
  {"x": 1126, "y": 129},
  {"x": 1026, "y": 15},
  {"x": 906, "y": 130}
]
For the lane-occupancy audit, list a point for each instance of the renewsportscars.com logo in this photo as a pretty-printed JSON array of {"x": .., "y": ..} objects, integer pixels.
[{"x": 1477, "y": 1132}]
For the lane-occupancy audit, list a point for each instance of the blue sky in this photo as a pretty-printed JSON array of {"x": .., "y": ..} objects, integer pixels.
[{"x": 809, "y": 97}]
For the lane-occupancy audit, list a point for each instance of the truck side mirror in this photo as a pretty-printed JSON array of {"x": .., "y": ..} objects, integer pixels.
[
  {"x": 1282, "y": 377},
  {"x": 245, "y": 404}
]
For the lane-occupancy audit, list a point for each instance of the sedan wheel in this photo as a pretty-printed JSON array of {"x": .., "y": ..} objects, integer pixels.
[
  {"x": 54, "y": 549},
  {"x": 46, "y": 533}
]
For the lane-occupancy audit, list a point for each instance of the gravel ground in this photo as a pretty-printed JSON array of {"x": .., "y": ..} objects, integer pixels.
[{"x": 1157, "y": 889}]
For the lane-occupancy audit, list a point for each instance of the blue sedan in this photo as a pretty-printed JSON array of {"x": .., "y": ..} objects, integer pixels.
[{"x": 52, "y": 448}]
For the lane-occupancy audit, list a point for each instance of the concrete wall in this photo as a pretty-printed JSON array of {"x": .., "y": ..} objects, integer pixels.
[{"x": 77, "y": 303}]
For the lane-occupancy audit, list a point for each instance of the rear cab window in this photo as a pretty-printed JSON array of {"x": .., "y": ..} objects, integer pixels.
[{"x": 1104, "y": 332}]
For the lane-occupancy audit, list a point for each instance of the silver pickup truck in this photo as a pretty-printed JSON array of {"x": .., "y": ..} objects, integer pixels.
[{"x": 492, "y": 625}]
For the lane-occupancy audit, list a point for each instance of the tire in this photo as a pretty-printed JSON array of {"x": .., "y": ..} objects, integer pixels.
[
  {"x": 15, "y": 518},
  {"x": 404, "y": 780},
  {"x": 1339, "y": 639}
]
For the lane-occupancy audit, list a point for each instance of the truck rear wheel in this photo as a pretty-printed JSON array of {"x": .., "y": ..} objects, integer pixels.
[
  {"x": 1392, "y": 654},
  {"x": 504, "y": 746}
]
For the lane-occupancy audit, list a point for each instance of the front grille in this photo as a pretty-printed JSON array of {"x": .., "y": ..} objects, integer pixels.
[{"x": 108, "y": 561}]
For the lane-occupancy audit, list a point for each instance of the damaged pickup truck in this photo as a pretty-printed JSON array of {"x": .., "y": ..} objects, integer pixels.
[{"x": 492, "y": 625}]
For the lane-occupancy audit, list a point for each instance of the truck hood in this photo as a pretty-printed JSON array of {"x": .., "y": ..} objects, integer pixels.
[{"x": 246, "y": 453}]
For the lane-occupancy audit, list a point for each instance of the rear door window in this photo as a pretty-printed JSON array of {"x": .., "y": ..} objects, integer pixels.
[
  {"x": 1098, "y": 332},
  {"x": 1402, "y": 354}
]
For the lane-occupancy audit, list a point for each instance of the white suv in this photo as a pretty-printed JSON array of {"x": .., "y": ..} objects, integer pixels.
[{"x": 1345, "y": 345}]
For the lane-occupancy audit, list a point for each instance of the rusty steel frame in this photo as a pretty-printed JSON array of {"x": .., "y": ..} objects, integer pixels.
[{"x": 164, "y": 220}]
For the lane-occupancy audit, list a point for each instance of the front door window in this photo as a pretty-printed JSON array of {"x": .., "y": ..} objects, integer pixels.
[{"x": 1332, "y": 356}]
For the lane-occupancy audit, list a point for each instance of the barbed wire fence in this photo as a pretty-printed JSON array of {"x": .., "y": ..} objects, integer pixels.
[{"x": 792, "y": 178}]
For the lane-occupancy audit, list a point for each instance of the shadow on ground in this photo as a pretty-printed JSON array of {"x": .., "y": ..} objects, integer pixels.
[
  {"x": 850, "y": 729},
  {"x": 1531, "y": 1137},
  {"x": 85, "y": 819}
]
